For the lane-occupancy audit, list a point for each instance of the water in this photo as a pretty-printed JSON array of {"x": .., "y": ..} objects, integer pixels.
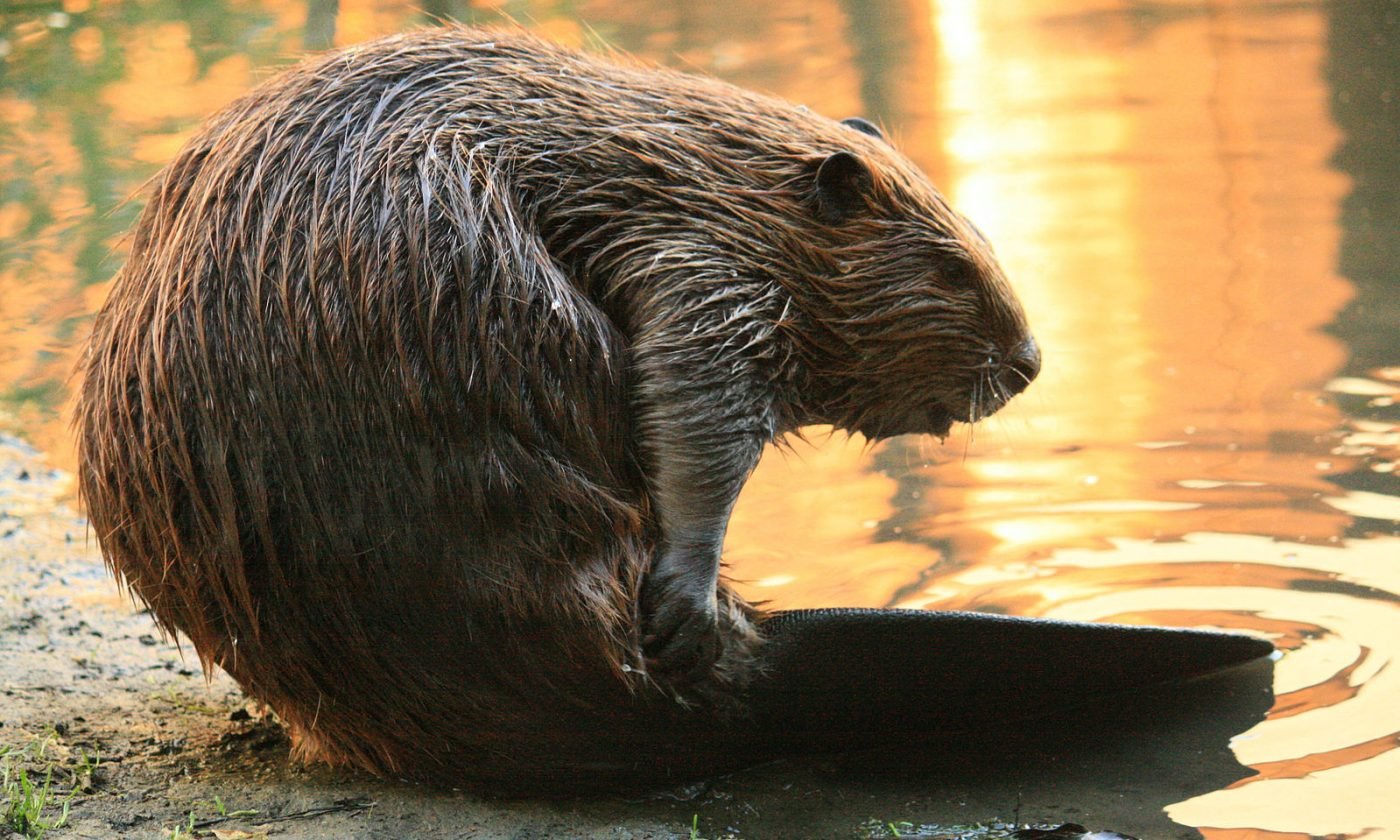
[{"x": 1197, "y": 201}]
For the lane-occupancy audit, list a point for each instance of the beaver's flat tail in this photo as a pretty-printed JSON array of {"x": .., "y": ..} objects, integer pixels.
[
  {"x": 839, "y": 680},
  {"x": 854, "y": 676}
]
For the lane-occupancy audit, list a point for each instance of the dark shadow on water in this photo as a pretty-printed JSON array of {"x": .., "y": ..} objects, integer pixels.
[
  {"x": 1168, "y": 742},
  {"x": 982, "y": 718},
  {"x": 1115, "y": 764},
  {"x": 1363, "y": 75}
]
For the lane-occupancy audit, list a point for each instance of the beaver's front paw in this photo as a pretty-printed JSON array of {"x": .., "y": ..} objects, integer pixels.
[{"x": 681, "y": 634}]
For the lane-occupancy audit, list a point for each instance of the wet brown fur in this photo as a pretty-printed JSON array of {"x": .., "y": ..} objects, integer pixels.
[{"x": 361, "y": 416}]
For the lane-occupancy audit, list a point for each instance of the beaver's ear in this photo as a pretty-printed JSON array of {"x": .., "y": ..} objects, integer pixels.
[
  {"x": 843, "y": 184},
  {"x": 864, "y": 126}
]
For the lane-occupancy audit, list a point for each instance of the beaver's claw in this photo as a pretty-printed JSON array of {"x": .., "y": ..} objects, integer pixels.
[{"x": 680, "y": 632}]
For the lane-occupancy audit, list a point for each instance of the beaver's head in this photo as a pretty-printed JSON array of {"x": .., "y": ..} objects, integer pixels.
[{"x": 919, "y": 326}]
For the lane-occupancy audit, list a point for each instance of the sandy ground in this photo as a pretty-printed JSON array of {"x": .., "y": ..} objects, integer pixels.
[{"x": 85, "y": 675}]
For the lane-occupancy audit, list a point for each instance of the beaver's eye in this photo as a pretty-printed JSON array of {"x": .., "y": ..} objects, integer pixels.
[{"x": 956, "y": 272}]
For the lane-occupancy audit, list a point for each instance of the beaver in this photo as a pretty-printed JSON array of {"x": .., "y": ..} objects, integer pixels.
[{"x": 437, "y": 364}]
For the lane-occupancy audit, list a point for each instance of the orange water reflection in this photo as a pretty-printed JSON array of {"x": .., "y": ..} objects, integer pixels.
[
  {"x": 1161, "y": 191},
  {"x": 1156, "y": 178}
]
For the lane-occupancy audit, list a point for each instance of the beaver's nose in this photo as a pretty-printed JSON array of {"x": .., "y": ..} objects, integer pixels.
[{"x": 1022, "y": 366}]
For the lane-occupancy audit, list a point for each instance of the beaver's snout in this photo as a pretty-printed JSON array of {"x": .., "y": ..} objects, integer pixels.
[
  {"x": 1021, "y": 367},
  {"x": 1000, "y": 379}
]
